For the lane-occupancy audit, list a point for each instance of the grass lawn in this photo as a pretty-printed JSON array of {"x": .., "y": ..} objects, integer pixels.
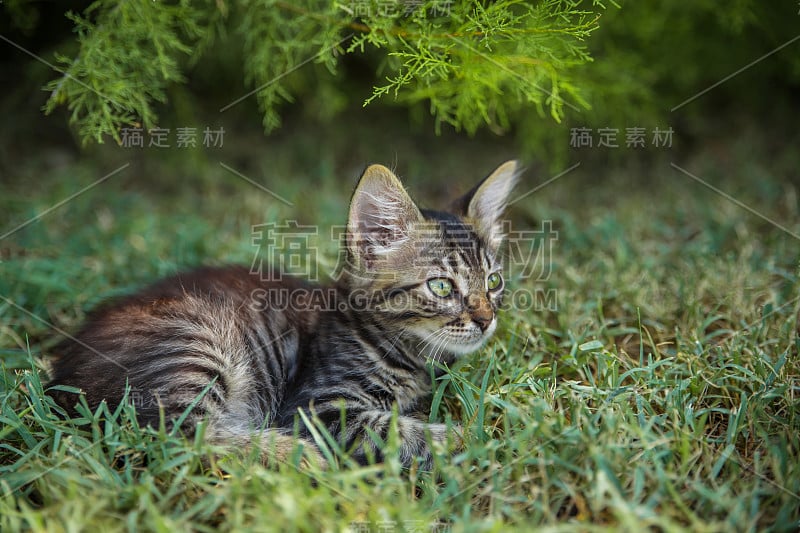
[{"x": 658, "y": 386}]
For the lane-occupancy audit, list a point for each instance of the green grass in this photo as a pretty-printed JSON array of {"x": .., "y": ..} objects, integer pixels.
[{"x": 662, "y": 392}]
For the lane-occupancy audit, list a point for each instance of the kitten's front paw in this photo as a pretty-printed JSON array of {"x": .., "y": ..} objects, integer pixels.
[{"x": 444, "y": 441}]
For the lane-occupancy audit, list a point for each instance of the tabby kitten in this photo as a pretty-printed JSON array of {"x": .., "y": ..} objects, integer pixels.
[{"x": 419, "y": 286}]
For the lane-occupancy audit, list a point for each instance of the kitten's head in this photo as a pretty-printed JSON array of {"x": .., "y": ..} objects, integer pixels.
[{"x": 432, "y": 277}]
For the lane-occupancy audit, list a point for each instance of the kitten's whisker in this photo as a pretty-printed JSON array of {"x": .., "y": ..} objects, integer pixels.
[
  {"x": 397, "y": 338},
  {"x": 438, "y": 343},
  {"x": 441, "y": 347},
  {"x": 429, "y": 336},
  {"x": 427, "y": 342}
]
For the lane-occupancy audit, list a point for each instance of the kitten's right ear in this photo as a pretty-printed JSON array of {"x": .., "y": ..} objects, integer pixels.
[{"x": 381, "y": 216}]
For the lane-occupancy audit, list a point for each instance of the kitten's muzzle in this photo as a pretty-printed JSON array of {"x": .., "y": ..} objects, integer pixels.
[{"x": 480, "y": 311}]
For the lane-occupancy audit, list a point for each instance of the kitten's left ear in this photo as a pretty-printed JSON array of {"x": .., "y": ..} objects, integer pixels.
[
  {"x": 382, "y": 216},
  {"x": 485, "y": 203}
]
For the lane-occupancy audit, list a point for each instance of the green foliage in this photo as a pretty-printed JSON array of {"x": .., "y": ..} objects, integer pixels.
[
  {"x": 480, "y": 67},
  {"x": 128, "y": 53},
  {"x": 472, "y": 65},
  {"x": 476, "y": 63}
]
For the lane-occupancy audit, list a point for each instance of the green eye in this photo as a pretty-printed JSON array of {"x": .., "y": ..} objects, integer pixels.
[
  {"x": 441, "y": 287},
  {"x": 494, "y": 281}
]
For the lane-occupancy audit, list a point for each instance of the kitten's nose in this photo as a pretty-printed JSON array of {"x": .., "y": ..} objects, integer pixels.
[
  {"x": 483, "y": 321},
  {"x": 481, "y": 312}
]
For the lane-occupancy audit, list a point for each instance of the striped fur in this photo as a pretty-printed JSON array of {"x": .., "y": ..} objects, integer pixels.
[{"x": 361, "y": 350}]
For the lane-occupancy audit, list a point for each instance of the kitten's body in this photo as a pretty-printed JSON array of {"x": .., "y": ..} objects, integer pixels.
[{"x": 256, "y": 351}]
